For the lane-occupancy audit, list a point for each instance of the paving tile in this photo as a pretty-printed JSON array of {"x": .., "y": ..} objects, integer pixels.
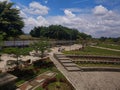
[
  {"x": 65, "y": 61},
  {"x": 69, "y": 64},
  {"x": 40, "y": 81},
  {"x": 72, "y": 68}
]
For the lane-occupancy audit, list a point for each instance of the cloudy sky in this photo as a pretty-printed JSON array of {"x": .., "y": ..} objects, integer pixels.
[{"x": 95, "y": 17}]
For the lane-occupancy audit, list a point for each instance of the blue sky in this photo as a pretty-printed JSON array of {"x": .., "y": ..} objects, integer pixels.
[{"x": 95, "y": 17}]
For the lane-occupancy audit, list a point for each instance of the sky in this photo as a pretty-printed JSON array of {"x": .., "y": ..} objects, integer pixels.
[{"x": 99, "y": 18}]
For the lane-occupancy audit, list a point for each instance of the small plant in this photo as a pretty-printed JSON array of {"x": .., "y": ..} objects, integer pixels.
[
  {"x": 58, "y": 84},
  {"x": 41, "y": 46}
]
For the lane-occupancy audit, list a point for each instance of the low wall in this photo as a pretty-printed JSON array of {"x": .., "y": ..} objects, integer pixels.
[
  {"x": 94, "y": 57},
  {"x": 110, "y": 69}
]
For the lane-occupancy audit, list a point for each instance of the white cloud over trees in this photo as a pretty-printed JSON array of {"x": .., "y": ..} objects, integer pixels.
[{"x": 99, "y": 22}]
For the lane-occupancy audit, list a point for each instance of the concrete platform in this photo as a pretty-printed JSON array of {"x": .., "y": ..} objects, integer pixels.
[
  {"x": 65, "y": 61},
  {"x": 69, "y": 64},
  {"x": 62, "y": 58},
  {"x": 73, "y": 68}
]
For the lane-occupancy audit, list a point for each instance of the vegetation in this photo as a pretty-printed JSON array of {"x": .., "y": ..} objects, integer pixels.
[
  {"x": 57, "y": 32},
  {"x": 84, "y": 40},
  {"x": 1, "y": 41},
  {"x": 10, "y": 22},
  {"x": 93, "y": 51},
  {"x": 17, "y": 51},
  {"x": 41, "y": 46},
  {"x": 39, "y": 88},
  {"x": 62, "y": 86},
  {"x": 109, "y": 40},
  {"x": 32, "y": 71},
  {"x": 57, "y": 83},
  {"x": 26, "y": 37},
  {"x": 112, "y": 46}
]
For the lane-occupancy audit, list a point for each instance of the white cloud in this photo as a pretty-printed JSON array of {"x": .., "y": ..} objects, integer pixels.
[
  {"x": 79, "y": 10},
  {"x": 105, "y": 23},
  {"x": 4, "y": 0},
  {"x": 23, "y": 15},
  {"x": 35, "y": 8},
  {"x": 68, "y": 13},
  {"x": 100, "y": 10},
  {"x": 31, "y": 22},
  {"x": 100, "y": 22}
]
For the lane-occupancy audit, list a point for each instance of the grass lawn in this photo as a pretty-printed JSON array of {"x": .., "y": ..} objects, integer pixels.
[
  {"x": 62, "y": 86},
  {"x": 98, "y": 65},
  {"x": 39, "y": 88},
  {"x": 109, "y": 46},
  {"x": 94, "y": 51}
]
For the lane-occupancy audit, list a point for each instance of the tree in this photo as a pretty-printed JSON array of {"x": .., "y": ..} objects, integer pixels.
[
  {"x": 1, "y": 44},
  {"x": 40, "y": 46},
  {"x": 1, "y": 41},
  {"x": 84, "y": 39},
  {"x": 10, "y": 21},
  {"x": 55, "y": 32},
  {"x": 17, "y": 51}
]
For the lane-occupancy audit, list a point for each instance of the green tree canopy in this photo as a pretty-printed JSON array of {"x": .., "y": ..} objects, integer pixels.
[
  {"x": 40, "y": 46},
  {"x": 10, "y": 21},
  {"x": 57, "y": 32}
]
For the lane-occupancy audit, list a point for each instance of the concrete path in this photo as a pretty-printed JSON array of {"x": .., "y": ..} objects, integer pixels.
[{"x": 89, "y": 80}]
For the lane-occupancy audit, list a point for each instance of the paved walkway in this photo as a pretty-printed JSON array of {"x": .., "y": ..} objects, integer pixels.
[
  {"x": 67, "y": 62},
  {"x": 89, "y": 80},
  {"x": 106, "y": 48}
]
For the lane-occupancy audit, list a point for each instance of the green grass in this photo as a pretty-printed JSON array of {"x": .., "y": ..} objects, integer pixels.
[
  {"x": 63, "y": 86},
  {"x": 19, "y": 82},
  {"x": 94, "y": 51},
  {"x": 14, "y": 50},
  {"x": 39, "y": 88},
  {"x": 98, "y": 65},
  {"x": 112, "y": 46}
]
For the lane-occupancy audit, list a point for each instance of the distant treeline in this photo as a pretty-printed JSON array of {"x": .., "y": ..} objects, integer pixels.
[
  {"x": 58, "y": 32},
  {"x": 110, "y": 40}
]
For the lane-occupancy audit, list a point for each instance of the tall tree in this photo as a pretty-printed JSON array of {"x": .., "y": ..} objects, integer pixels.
[
  {"x": 84, "y": 39},
  {"x": 1, "y": 40},
  {"x": 10, "y": 21},
  {"x": 40, "y": 46},
  {"x": 1, "y": 43}
]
